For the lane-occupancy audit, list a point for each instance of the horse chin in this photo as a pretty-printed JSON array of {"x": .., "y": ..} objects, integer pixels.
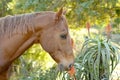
[{"x": 61, "y": 68}]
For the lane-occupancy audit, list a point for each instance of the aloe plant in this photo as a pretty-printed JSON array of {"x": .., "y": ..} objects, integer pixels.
[{"x": 99, "y": 58}]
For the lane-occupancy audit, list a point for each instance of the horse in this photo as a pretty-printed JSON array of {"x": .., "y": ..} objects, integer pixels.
[{"x": 47, "y": 28}]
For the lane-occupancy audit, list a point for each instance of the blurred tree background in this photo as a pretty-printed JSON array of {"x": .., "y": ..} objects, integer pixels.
[
  {"x": 35, "y": 62},
  {"x": 78, "y": 11}
]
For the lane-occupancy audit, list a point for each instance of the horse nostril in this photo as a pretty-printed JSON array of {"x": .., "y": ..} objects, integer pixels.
[{"x": 70, "y": 66}]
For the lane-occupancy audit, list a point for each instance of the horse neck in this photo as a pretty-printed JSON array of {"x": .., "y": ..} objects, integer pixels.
[
  {"x": 28, "y": 42},
  {"x": 14, "y": 46}
]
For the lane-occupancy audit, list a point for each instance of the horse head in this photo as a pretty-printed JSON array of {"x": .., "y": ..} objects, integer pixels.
[{"x": 56, "y": 40}]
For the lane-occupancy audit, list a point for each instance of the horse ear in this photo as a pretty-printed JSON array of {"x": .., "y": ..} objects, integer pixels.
[
  {"x": 58, "y": 14},
  {"x": 64, "y": 12}
]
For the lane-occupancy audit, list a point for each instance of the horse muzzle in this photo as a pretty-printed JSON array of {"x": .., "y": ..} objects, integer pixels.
[{"x": 62, "y": 67}]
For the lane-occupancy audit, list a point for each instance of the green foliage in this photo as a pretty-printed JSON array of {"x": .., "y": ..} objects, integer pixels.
[
  {"x": 78, "y": 11},
  {"x": 97, "y": 60},
  {"x": 34, "y": 64},
  {"x": 4, "y": 8},
  {"x": 116, "y": 25},
  {"x": 36, "y": 74}
]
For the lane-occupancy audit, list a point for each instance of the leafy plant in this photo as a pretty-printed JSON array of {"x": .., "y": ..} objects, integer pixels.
[{"x": 99, "y": 59}]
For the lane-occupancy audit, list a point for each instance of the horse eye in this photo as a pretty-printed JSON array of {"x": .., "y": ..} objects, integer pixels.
[{"x": 63, "y": 36}]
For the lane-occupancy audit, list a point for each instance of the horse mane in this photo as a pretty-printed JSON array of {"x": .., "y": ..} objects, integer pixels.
[{"x": 18, "y": 23}]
